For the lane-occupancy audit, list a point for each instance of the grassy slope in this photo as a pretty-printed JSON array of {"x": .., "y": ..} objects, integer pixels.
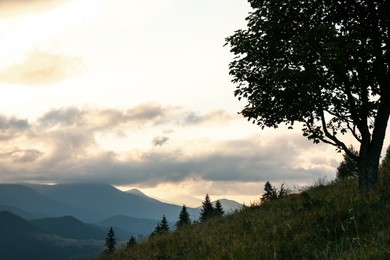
[{"x": 325, "y": 222}]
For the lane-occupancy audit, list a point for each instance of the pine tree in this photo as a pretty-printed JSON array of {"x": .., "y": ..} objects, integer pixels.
[
  {"x": 164, "y": 226},
  {"x": 269, "y": 192},
  {"x": 184, "y": 218},
  {"x": 207, "y": 210},
  {"x": 132, "y": 242},
  {"x": 218, "y": 209},
  {"x": 110, "y": 242},
  {"x": 161, "y": 227}
]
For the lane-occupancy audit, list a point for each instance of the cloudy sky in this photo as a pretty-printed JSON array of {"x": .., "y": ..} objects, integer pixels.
[{"x": 137, "y": 94}]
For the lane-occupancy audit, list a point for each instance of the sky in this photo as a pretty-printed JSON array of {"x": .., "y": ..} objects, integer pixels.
[{"x": 137, "y": 94}]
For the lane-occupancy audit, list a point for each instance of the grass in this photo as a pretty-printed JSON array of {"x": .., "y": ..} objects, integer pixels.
[{"x": 334, "y": 221}]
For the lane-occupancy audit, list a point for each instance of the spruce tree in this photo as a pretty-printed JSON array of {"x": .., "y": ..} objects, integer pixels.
[
  {"x": 218, "y": 209},
  {"x": 161, "y": 227},
  {"x": 110, "y": 242},
  {"x": 207, "y": 210},
  {"x": 184, "y": 218},
  {"x": 269, "y": 192},
  {"x": 132, "y": 242},
  {"x": 164, "y": 226}
]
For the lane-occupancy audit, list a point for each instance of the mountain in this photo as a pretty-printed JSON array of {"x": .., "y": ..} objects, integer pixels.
[
  {"x": 22, "y": 198},
  {"x": 22, "y": 240},
  {"x": 103, "y": 201},
  {"x": 134, "y": 226},
  {"x": 17, "y": 211},
  {"x": 70, "y": 227},
  {"x": 229, "y": 206}
]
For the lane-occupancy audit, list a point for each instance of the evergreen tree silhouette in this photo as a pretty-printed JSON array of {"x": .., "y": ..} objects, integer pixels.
[
  {"x": 110, "y": 242},
  {"x": 218, "y": 209},
  {"x": 164, "y": 226},
  {"x": 269, "y": 192},
  {"x": 132, "y": 242},
  {"x": 184, "y": 218},
  {"x": 207, "y": 210},
  {"x": 161, "y": 227}
]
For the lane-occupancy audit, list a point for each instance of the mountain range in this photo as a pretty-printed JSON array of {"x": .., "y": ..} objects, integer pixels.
[{"x": 72, "y": 220}]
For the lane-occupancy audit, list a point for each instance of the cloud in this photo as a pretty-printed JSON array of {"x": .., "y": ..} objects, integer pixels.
[
  {"x": 214, "y": 116},
  {"x": 11, "y": 127},
  {"x": 62, "y": 146},
  {"x": 159, "y": 140},
  {"x": 42, "y": 68}
]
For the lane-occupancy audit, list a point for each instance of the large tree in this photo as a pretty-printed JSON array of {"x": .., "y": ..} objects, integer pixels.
[{"x": 324, "y": 63}]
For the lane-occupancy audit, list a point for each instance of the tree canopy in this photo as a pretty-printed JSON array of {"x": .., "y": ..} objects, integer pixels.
[{"x": 323, "y": 63}]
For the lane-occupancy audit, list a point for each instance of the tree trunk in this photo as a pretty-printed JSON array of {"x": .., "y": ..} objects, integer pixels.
[
  {"x": 371, "y": 148},
  {"x": 368, "y": 172}
]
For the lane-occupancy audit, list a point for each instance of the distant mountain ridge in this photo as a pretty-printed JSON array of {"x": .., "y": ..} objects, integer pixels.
[{"x": 23, "y": 240}]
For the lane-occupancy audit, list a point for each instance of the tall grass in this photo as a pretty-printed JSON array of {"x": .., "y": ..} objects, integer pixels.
[{"x": 334, "y": 221}]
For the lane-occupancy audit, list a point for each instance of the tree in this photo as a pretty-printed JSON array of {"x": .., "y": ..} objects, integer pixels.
[
  {"x": 322, "y": 63},
  {"x": 385, "y": 164},
  {"x": 348, "y": 167},
  {"x": 132, "y": 242},
  {"x": 207, "y": 210},
  {"x": 184, "y": 218},
  {"x": 270, "y": 192},
  {"x": 218, "y": 211},
  {"x": 110, "y": 242},
  {"x": 162, "y": 227}
]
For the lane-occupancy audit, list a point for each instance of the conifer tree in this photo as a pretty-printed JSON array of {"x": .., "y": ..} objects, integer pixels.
[
  {"x": 218, "y": 209},
  {"x": 164, "y": 226},
  {"x": 110, "y": 242},
  {"x": 161, "y": 227},
  {"x": 207, "y": 210},
  {"x": 184, "y": 218},
  {"x": 269, "y": 192},
  {"x": 132, "y": 242}
]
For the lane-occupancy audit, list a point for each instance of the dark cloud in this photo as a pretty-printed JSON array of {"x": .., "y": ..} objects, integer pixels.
[
  {"x": 42, "y": 68},
  {"x": 159, "y": 140},
  {"x": 11, "y": 127}
]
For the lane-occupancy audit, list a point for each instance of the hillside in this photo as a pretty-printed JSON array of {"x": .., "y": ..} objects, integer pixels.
[
  {"x": 326, "y": 222},
  {"x": 22, "y": 239},
  {"x": 70, "y": 227}
]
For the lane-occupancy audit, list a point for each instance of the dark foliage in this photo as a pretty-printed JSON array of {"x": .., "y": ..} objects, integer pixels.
[
  {"x": 162, "y": 227},
  {"x": 348, "y": 168},
  {"x": 184, "y": 218},
  {"x": 132, "y": 242},
  {"x": 218, "y": 211},
  {"x": 269, "y": 192},
  {"x": 207, "y": 211},
  {"x": 110, "y": 242}
]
